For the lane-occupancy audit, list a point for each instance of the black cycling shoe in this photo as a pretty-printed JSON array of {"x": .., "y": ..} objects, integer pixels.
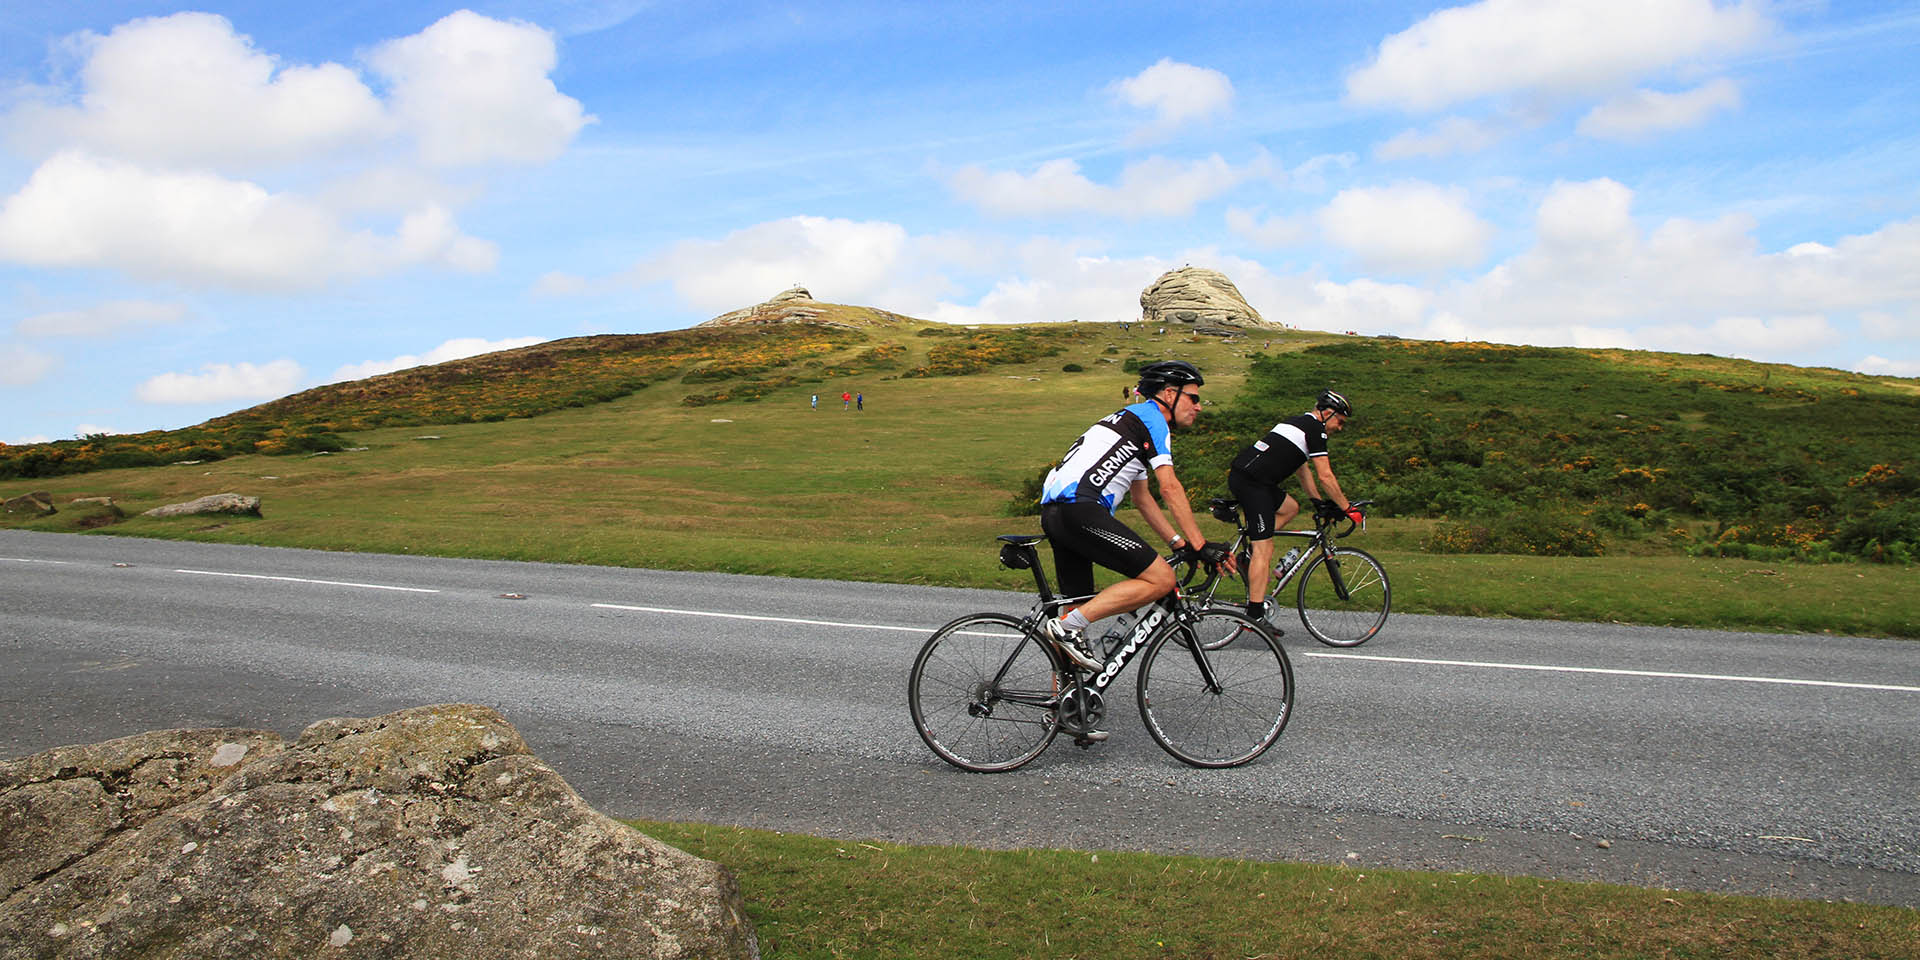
[{"x": 1263, "y": 616}]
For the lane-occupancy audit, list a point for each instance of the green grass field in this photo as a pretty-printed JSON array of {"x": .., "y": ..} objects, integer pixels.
[
  {"x": 910, "y": 490},
  {"x": 810, "y": 897}
]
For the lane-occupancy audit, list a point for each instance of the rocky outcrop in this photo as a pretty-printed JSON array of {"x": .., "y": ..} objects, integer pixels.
[
  {"x": 796, "y": 305},
  {"x": 1194, "y": 296},
  {"x": 35, "y": 504},
  {"x": 432, "y": 832},
  {"x": 217, "y": 503}
]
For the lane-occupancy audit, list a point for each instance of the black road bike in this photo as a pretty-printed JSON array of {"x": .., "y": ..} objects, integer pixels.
[
  {"x": 989, "y": 693},
  {"x": 1343, "y": 594}
]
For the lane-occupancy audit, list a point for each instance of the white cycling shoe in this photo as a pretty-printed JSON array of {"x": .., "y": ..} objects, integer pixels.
[{"x": 1073, "y": 644}]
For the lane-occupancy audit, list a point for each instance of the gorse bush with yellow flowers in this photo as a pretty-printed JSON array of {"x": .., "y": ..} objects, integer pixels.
[
  {"x": 506, "y": 385},
  {"x": 1558, "y": 451}
]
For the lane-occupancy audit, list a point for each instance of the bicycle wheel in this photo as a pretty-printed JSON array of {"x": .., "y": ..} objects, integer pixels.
[
  {"x": 1230, "y": 721},
  {"x": 1353, "y": 621},
  {"x": 983, "y": 694}
]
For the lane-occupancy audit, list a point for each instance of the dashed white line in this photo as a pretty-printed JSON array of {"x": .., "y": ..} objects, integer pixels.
[
  {"x": 1620, "y": 672},
  {"x": 1487, "y": 664},
  {"x": 747, "y": 616},
  {"x": 26, "y": 560},
  {"x": 330, "y": 583}
]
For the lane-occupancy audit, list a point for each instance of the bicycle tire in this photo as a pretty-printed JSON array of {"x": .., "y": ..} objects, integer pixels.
[
  {"x": 1355, "y": 620},
  {"x": 983, "y": 693},
  {"x": 1225, "y": 727}
]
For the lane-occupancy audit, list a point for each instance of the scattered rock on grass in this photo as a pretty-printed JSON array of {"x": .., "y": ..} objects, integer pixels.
[{"x": 217, "y": 503}]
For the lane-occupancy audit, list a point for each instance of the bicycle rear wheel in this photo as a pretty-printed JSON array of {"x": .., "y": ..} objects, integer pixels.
[
  {"x": 983, "y": 694},
  {"x": 1231, "y": 720},
  {"x": 1354, "y": 620}
]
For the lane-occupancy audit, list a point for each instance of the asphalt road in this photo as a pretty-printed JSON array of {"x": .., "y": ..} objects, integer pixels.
[{"x": 1771, "y": 764}]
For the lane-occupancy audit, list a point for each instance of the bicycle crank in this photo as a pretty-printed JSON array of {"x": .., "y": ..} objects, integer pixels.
[{"x": 1081, "y": 709}]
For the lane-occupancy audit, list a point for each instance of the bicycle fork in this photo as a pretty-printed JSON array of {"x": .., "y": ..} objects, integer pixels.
[{"x": 1331, "y": 562}]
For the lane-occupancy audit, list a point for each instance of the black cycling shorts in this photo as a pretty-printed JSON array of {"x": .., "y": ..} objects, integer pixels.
[
  {"x": 1084, "y": 534},
  {"x": 1259, "y": 500}
]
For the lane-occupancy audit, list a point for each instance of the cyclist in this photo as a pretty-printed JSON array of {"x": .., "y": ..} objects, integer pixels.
[
  {"x": 1110, "y": 461},
  {"x": 1256, "y": 474}
]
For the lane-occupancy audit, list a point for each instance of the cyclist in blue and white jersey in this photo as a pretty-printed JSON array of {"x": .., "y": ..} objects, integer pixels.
[
  {"x": 1109, "y": 462},
  {"x": 1256, "y": 474}
]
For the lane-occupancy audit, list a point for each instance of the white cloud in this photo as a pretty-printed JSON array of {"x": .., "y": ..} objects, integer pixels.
[
  {"x": 159, "y": 159},
  {"x": 474, "y": 90},
  {"x": 222, "y": 382},
  {"x": 1757, "y": 338},
  {"x": 186, "y": 89},
  {"x": 35, "y": 438},
  {"x": 1268, "y": 233},
  {"x": 1154, "y": 187},
  {"x": 22, "y": 366},
  {"x": 93, "y": 429},
  {"x": 1450, "y": 136},
  {"x": 456, "y": 349},
  {"x": 1177, "y": 93},
  {"x": 1555, "y": 47},
  {"x": 1881, "y": 325},
  {"x": 558, "y": 283},
  {"x": 79, "y": 210},
  {"x": 1311, "y": 175},
  {"x": 1882, "y": 367},
  {"x": 1644, "y": 112},
  {"x": 1411, "y": 226},
  {"x": 840, "y": 261},
  {"x": 112, "y": 317}
]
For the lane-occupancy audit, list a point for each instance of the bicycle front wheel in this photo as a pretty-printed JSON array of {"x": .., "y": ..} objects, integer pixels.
[
  {"x": 983, "y": 694},
  {"x": 1351, "y": 621},
  {"x": 1216, "y": 708}
]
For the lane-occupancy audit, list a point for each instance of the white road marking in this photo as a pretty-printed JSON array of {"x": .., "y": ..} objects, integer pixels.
[
  {"x": 25, "y": 560},
  {"x": 329, "y": 583},
  {"x": 745, "y": 616},
  {"x": 1538, "y": 667},
  {"x": 1658, "y": 674}
]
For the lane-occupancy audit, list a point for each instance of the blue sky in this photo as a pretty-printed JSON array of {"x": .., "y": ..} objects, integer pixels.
[{"x": 204, "y": 208}]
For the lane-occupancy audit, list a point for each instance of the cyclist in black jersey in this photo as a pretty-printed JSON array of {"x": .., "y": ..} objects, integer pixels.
[
  {"x": 1109, "y": 462},
  {"x": 1297, "y": 446}
]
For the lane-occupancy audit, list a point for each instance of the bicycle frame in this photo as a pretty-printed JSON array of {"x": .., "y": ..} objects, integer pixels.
[
  {"x": 1163, "y": 613},
  {"x": 1320, "y": 539}
]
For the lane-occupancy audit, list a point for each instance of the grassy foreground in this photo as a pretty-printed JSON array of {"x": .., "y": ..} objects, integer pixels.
[
  {"x": 910, "y": 490},
  {"x": 813, "y": 897}
]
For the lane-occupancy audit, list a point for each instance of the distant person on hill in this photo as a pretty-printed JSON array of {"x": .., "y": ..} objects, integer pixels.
[
  {"x": 859, "y": 401},
  {"x": 816, "y": 401},
  {"x": 1256, "y": 474},
  {"x": 845, "y": 399},
  {"x": 1108, "y": 463}
]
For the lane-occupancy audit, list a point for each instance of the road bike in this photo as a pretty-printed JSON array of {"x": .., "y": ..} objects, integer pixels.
[
  {"x": 989, "y": 693},
  {"x": 1343, "y": 594}
]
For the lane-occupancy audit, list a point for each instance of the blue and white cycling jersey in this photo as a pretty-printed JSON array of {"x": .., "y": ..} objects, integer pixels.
[{"x": 1110, "y": 456}]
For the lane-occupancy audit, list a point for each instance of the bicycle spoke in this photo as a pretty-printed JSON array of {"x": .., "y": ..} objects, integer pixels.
[
  {"x": 1230, "y": 721},
  {"x": 983, "y": 693},
  {"x": 1351, "y": 621}
]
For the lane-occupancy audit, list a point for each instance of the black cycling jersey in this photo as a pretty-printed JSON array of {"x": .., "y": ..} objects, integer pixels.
[{"x": 1289, "y": 444}]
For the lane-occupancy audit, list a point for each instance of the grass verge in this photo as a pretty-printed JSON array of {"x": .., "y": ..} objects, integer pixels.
[
  {"x": 912, "y": 489},
  {"x": 813, "y": 897}
]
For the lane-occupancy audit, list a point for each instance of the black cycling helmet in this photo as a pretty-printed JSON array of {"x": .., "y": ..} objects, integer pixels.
[
  {"x": 1330, "y": 400},
  {"x": 1155, "y": 377}
]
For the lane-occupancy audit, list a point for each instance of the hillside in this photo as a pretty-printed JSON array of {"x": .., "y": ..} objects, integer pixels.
[{"x": 698, "y": 449}]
